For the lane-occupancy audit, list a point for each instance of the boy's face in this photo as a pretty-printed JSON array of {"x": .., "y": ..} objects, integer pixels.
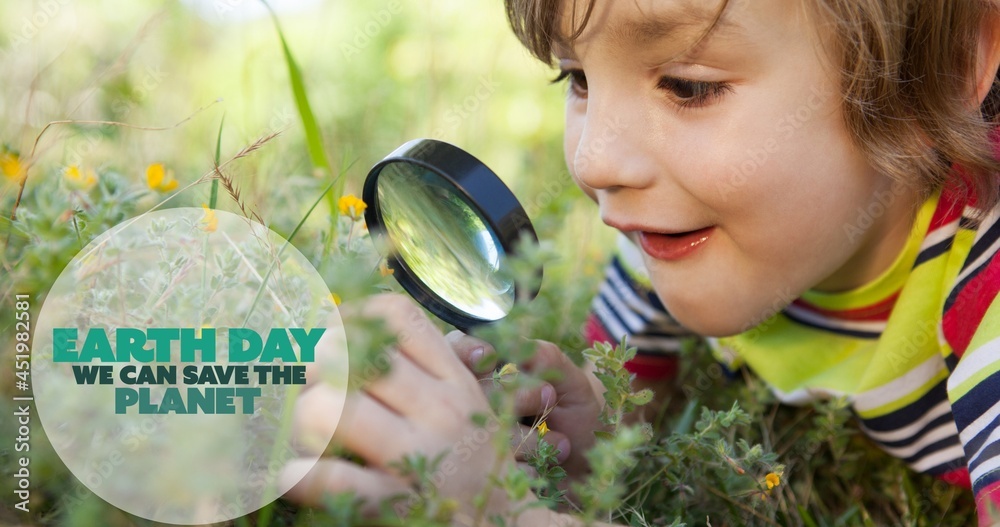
[{"x": 740, "y": 139}]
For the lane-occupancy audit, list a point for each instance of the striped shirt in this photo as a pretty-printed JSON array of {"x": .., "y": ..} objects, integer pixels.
[{"x": 916, "y": 352}]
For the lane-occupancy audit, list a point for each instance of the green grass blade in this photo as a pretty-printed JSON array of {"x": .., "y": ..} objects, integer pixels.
[
  {"x": 314, "y": 141},
  {"x": 214, "y": 196},
  {"x": 684, "y": 424},
  {"x": 806, "y": 518}
]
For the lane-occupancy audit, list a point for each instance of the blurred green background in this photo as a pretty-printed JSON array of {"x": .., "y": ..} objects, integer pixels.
[{"x": 376, "y": 73}]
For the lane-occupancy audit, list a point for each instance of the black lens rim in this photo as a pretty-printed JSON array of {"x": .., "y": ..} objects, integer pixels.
[{"x": 481, "y": 188}]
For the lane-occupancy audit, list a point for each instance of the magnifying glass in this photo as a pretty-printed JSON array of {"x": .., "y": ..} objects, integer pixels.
[{"x": 449, "y": 227}]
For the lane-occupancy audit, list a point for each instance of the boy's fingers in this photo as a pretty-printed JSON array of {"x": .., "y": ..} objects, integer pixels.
[
  {"x": 525, "y": 442},
  {"x": 318, "y": 410},
  {"x": 547, "y": 355},
  {"x": 534, "y": 401},
  {"x": 310, "y": 483},
  {"x": 571, "y": 385},
  {"x": 418, "y": 337},
  {"x": 406, "y": 389},
  {"x": 360, "y": 424},
  {"x": 477, "y": 354},
  {"x": 374, "y": 432}
]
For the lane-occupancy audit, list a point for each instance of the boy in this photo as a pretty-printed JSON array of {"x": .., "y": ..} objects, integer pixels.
[{"x": 828, "y": 161}]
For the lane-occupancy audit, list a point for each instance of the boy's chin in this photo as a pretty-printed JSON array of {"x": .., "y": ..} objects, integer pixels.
[
  {"x": 717, "y": 321},
  {"x": 714, "y": 328}
]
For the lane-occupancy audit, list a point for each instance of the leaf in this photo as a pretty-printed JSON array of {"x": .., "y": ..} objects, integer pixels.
[
  {"x": 641, "y": 397},
  {"x": 314, "y": 141},
  {"x": 601, "y": 434},
  {"x": 479, "y": 419},
  {"x": 687, "y": 417},
  {"x": 11, "y": 229}
]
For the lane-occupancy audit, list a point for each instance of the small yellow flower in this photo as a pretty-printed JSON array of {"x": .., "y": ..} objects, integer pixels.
[
  {"x": 543, "y": 429},
  {"x": 335, "y": 298},
  {"x": 383, "y": 269},
  {"x": 352, "y": 206},
  {"x": 772, "y": 480},
  {"x": 10, "y": 165},
  {"x": 209, "y": 222},
  {"x": 81, "y": 179},
  {"x": 508, "y": 369},
  {"x": 160, "y": 179}
]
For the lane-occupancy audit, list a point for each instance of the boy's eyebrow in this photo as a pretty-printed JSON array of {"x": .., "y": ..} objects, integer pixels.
[
  {"x": 651, "y": 29},
  {"x": 660, "y": 25}
]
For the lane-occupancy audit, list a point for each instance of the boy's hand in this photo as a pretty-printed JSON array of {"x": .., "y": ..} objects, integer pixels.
[
  {"x": 424, "y": 405},
  {"x": 571, "y": 403}
]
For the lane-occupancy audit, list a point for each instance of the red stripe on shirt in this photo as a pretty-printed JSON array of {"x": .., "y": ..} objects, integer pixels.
[
  {"x": 962, "y": 320},
  {"x": 958, "y": 477},
  {"x": 653, "y": 366},
  {"x": 877, "y": 312},
  {"x": 949, "y": 209},
  {"x": 594, "y": 331}
]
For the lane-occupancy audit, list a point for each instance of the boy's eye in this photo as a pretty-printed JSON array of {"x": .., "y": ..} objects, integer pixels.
[
  {"x": 577, "y": 82},
  {"x": 688, "y": 93}
]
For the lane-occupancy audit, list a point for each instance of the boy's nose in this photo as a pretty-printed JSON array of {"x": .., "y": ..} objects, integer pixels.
[{"x": 607, "y": 155}]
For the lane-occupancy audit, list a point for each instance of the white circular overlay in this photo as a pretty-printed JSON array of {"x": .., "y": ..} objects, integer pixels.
[{"x": 235, "y": 313}]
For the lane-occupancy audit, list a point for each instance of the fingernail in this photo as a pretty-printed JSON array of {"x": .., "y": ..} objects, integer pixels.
[
  {"x": 476, "y": 357},
  {"x": 563, "y": 447},
  {"x": 548, "y": 396}
]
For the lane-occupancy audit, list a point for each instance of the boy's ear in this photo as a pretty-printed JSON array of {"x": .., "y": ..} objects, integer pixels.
[{"x": 988, "y": 55}]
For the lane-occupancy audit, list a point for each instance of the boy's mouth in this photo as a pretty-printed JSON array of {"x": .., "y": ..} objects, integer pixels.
[
  {"x": 679, "y": 234},
  {"x": 674, "y": 245}
]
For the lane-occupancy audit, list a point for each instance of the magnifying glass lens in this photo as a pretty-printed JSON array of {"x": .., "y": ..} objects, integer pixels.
[{"x": 439, "y": 235}]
